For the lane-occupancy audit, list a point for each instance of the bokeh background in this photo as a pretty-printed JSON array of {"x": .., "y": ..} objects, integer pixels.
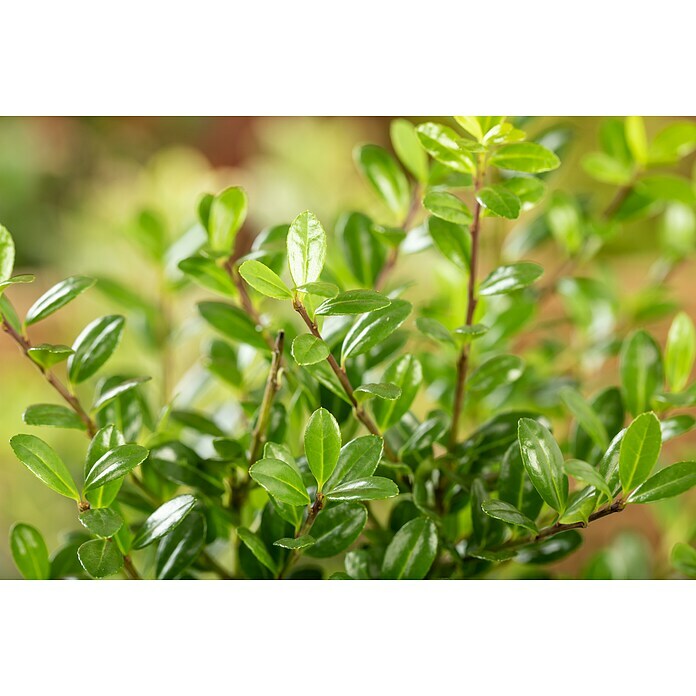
[{"x": 72, "y": 191}]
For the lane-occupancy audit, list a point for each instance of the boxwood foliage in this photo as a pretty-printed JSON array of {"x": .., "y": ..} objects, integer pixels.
[{"x": 404, "y": 394}]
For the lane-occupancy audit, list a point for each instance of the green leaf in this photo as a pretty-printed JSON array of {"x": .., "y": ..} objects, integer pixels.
[
  {"x": 525, "y": 157},
  {"x": 47, "y": 355},
  {"x": 528, "y": 189},
  {"x": 362, "y": 249},
  {"x": 45, "y": 464},
  {"x": 543, "y": 461},
  {"x": 180, "y": 464},
  {"x": 163, "y": 520},
  {"x": 583, "y": 471},
  {"x": 443, "y": 144},
  {"x": 452, "y": 241},
  {"x": 471, "y": 331},
  {"x": 640, "y": 367},
  {"x": 607, "y": 169},
  {"x": 322, "y": 441},
  {"x": 680, "y": 352},
  {"x": 676, "y": 425},
  {"x": 385, "y": 176},
  {"x": 101, "y": 521},
  {"x": 121, "y": 387},
  {"x": 264, "y": 280},
  {"x": 674, "y": 142},
  {"x": 319, "y": 289},
  {"x": 374, "y": 328},
  {"x": 233, "y": 323},
  {"x": 28, "y": 547},
  {"x": 434, "y": 329},
  {"x": 564, "y": 219},
  {"x": 551, "y": 549},
  {"x": 505, "y": 512},
  {"x": 405, "y": 373},
  {"x": 411, "y": 552},
  {"x": 306, "y": 244},
  {"x": 16, "y": 280},
  {"x": 281, "y": 480},
  {"x": 505, "y": 279},
  {"x": 353, "y": 302},
  {"x": 178, "y": 549},
  {"x": 105, "y": 440},
  {"x": 336, "y": 528},
  {"x": 113, "y": 465},
  {"x": 53, "y": 415},
  {"x": 448, "y": 207},
  {"x": 585, "y": 416},
  {"x": 206, "y": 273},
  {"x": 293, "y": 543},
  {"x": 636, "y": 138},
  {"x": 94, "y": 346},
  {"x": 405, "y": 142},
  {"x": 7, "y": 254},
  {"x": 368, "y": 488},
  {"x": 357, "y": 459},
  {"x": 228, "y": 211},
  {"x": 667, "y": 187},
  {"x": 495, "y": 372},
  {"x": 258, "y": 548},
  {"x": 100, "y": 557},
  {"x": 666, "y": 483},
  {"x": 640, "y": 449},
  {"x": 383, "y": 390},
  {"x": 499, "y": 201},
  {"x": 683, "y": 558},
  {"x": 58, "y": 296},
  {"x": 514, "y": 484},
  {"x": 309, "y": 350},
  {"x": 472, "y": 125}
]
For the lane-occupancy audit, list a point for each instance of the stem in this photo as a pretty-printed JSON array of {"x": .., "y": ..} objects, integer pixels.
[
  {"x": 471, "y": 301},
  {"x": 340, "y": 373},
  {"x": 130, "y": 569},
  {"x": 65, "y": 393},
  {"x": 215, "y": 566},
  {"x": 314, "y": 510}
]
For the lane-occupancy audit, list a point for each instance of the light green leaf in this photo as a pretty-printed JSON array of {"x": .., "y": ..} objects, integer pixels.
[
  {"x": 45, "y": 464},
  {"x": 228, "y": 211},
  {"x": 353, "y": 302},
  {"x": 667, "y": 187},
  {"x": 322, "y": 441},
  {"x": 407, "y": 146},
  {"x": 448, "y": 207},
  {"x": 505, "y": 512},
  {"x": 637, "y": 139},
  {"x": 233, "y": 323},
  {"x": 206, "y": 273},
  {"x": 52, "y": 415},
  {"x": 528, "y": 189},
  {"x": 105, "y": 440},
  {"x": 607, "y": 169},
  {"x": 368, "y": 488},
  {"x": 505, "y": 279},
  {"x": 434, "y": 329},
  {"x": 373, "y": 328},
  {"x": 306, "y": 245},
  {"x": 16, "y": 280},
  {"x": 443, "y": 144},
  {"x": 406, "y": 373},
  {"x": 281, "y": 480},
  {"x": 471, "y": 125},
  {"x": 58, "y": 296},
  {"x": 263, "y": 279},
  {"x": 674, "y": 142},
  {"x": 28, "y": 547},
  {"x": 582, "y": 471},
  {"x": 640, "y": 367},
  {"x": 411, "y": 552},
  {"x": 101, "y": 521},
  {"x": 47, "y": 355},
  {"x": 585, "y": 416},
  {"x": 100, "y": 557},
  {"x": 666, "y": 483},
  {"x": 7, "y": 254},
  {"x": 309, "y": 350},
  {"x": 385, "y": 176},
  {"x": 525, "y": 157},
  {"x": 163, "y": 520},
  {"x": 113, "y": 465},
  {"x": 471, "y": 331},
  {"x": 319, "y": 289},
  {"x": 381, "y": 390},
  {"x": 94, "y": 346},
  {"x": 543, "y": 461},
  {"x": 293, "y": 543},
  {"x": 640, "y": 449},
  {"x": 499, "y": 201},
  {"x": 495, "y": 372},
  {"x": 680, "y": 351}
]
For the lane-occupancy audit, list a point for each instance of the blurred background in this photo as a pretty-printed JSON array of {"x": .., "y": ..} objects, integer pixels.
[{"x": 73, "y": 192}]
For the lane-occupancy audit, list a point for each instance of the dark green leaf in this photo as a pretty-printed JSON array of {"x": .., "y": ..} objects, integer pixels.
[
  {"x": 281, "y": 480},
  {"x": 53, "y": 415},
  {"x": 640, "y": 449},
  {"x": 675, "y": 426},
  {"x": 206, "y": 273},
  {"x": 375, "y": 327},
  {"x": 515, "y": 486},
  {"x": 550, "y": 550},
  {"x": 500, "y": 510},
  {"x": 362, "y": 249},
  {"x": 178, "y": 463},
  {"x": 177, "y": 550},
  {"x": 233, "y": 323},
  {"x": 94, "y": 346},
  {"x": 58, "y": 296},
  {"x": 105, "y": 440},
  {"x": 47, "y": 355},
  {"x": 452, "y": 241},
  {"x": 113, "y": 465},
  {"x": 336, "y": 528},
  {"x": 411, "y": 552},
  {"x": 322, "y": 441},
  {"x": 495, "y": 372},
  {"x": 28, "y": 547},
  {"x": 264, "y": 280},
  {"x": 353, "y": 302},
  {"x": 101, "y": 521},
  {"x": 671, "y": 481},
  {"x": 357, "y": 459},
  {"x": 407, "y": 374},
  {"x": 386, "y": 178},
  {"x": 120, "y": 387},
  {"x": 163, "y": 520},
  {"x": 585, "y": 416},
  {"x": 369, "y": 488},
  {"x": 505, "y": 279},
  {"x": 100, "y": 557},
  {"x": 258, "y": 548}
]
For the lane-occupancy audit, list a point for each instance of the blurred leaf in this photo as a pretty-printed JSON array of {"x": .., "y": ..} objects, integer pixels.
[
  {"x": 233, "y": 323},
  {"x": 495, "y": 372},
  {"x": 452, "y": 241},
  {"x": 674, "y": 142},
  {"x": 118, "y": 388},
  {"x": 362, "y": 249},
  {"x": 683, "y": 558},
  {"x": 386, "y": 178},
  {"x": 641, "y": 371},
  {"x": 405, "y": 142},
  {"x": 505, "y": 279},
  {"x": 7, "y": 254},
  {"x": 550, "y": 550},
  {"x": 637, "y": 139},
  {"x": 448, "y": 207},
  {"x": 28, "y": 548},
  {"x": 353, "y": 302},
  {"x": 206, "y": 273},
  {"x": 47, "y": 355},
  {"x": 525, "y": 157},
  {"x": 434, "y": 329},
  {"x": 607, "y": 169},
  {"x": 94, "y": 346},
  {"x": 228, "y": 210},
  {"x": 585, "y": 416},
  {"x": 505, "y": 512},
  {"x": 499, "y": 201},
  {"x": 680, "y": 352}
]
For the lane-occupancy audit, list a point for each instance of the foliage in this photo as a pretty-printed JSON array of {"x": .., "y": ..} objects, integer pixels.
[{"x": 329, "y": 465}]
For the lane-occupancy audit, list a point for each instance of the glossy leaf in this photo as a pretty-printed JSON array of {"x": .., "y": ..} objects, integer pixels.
[
  {"x": 640, "y": 449},
  {"x": 582, "y": 471},
  {"x": 381, "y": 390},
  {"x": 114, "y": 465},
  {"x": 180, "y": 548},
  {"x": 680, "y": 351},
  {"x": 353, "y": 302},
  {"x": 495, "y": 372},
  {"x": 47, "y": 355},
  {"x": 306, "y": 247},
  {"x": 405, "y": 142},
  {"x": 7, "y": 254},
  {"x": 515, "y": 486},
  {"x": 322, "y": 442},
  {"x": 406, "y": 373},
  {"x": 28, "y": 547},
  {"x": 103, "y": 522},
  {"x": 94, "y": 346},
  {"x": 225, "y": 218},
  {"x": 336, "y": 528},
  {"x": 448, "y": 207},
  {"x": 163, "y": 520},
  {"x": 641, "y": 371},
  {"x": 525, "y": 157},
  {"x": 309, "y": 350},
  {"x": 100, "y": 558},
  {"x": 106, "y": 439},
  {"x": 233, "y": 323},
  {"x": 58, "y": 296},
  {"x": 293, "y": 543},
  {"x": 358, "y": 459},
  {"x": 45, "y": 464},
  {"x": 374, "y": 328},
  {"x": 452, "y": 241},
  {"x": 506, "y": 279},
  {"x": 443, "y": 144},
  {"x": 411, "y": 552},
  {"x": 369, "y": 488},
  {"x": 585, "y": 416},
  {"x": 120, "y": 387},
  {"x": 206, "y": 273},
  {"x": 386, "y": 178},
  {"x": 666, "y": 483},
  {"x": 281, "y": 480},
  {"x": 499, "y": 201},
  {"x": 363, "y": 251},
  {"x": 505, "y": 512},
  {"x": 258, "y": 548},
  {"x": 52, "y": 415},
  {"x": 264, "y": 280}
]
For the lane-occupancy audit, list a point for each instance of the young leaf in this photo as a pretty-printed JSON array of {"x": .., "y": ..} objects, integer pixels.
[
  {"x": 525, "y": 157},
  {"x": 505, "y": 279},
  {"x": 101, "y": 521},
  {"x": 385, "y": 177},
  {"x": 206, "y": 273},
  {"x": 281, "y": 480},
  {"x": 106, "y": 439},
  {"x": 495, "y": 372},
  {"x": 641, "y": 371},
  {"x": 7, "y": 254},
  {"x": 583, "y": 471},
  {"x": 178, "y": 549},
  {"x": 374, "y": 328},
  {"x": 383, "y": 390},
  {"x": 45, "y": 464},
  {"x": 443, "y": 144},
  {"x": 666, "y": 483},
  {"x": 94, "y": 346},
  {"x": 227, "y": 214},
  {"x": 680, "y": 352},
  {"x": 100, "y": 557},
  {"x": 258, "y": 548},
  {"x": 52, "y": 415},
  {"x": 28, "y": 547},
  {"x": 233, "y": 323},
  {"x": 411, "y": 552},
  {"x": 58, "y": 296},
  {"x": 306, "y": 244},
  {"x": 163, "y": 520},
  {"x": 353, "y": 302},
  {"x": 336, "y": 528},
  {"x": 499, "y": 201},
  {"x": 309, "y": 350},
  {"x": 319, "y": 289},
  {"x": 264, "y": 280},
  {"x": 322, "y": 441},
  {"x": 505, "y": 512},
  {"x": 369, "y": 488},
  {"x": 640, "y": 449},
  {"x": 585, "y": 416},
  {"x": 405, "y": 373},
  {"x": 408, "y": 148},
  {"x": 357, "y": 459},
  {"x": 293, "y": 543},
  {"x": 448, "y": 207},
  {"x": 47, "y": 355},
  {"x": 113, "y": 465},
  {"x": 543, "y": 461}
]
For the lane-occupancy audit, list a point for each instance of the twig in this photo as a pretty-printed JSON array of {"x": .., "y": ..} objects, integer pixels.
[
  {"x": 130, "y": 569},
  {"x": 314, "y": 510}
]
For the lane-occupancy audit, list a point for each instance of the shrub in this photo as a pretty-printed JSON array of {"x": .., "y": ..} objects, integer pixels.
[{"x": 328, "y": 463}]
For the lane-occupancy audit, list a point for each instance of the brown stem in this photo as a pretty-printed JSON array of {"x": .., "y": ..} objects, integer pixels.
[
  {"x": 130, "y": 569},
  {"x": 65, "y": 393},
  {"x": 314, "y": 510},
  {"x": 342, "y": 377}
]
